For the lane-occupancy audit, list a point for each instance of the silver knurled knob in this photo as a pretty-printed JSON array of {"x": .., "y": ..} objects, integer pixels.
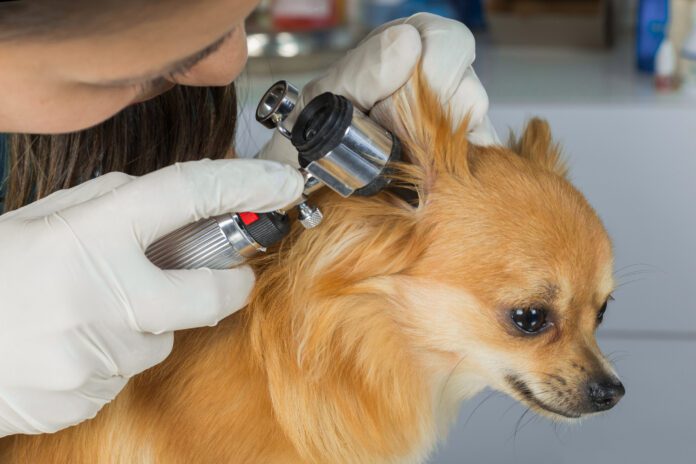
[
  {"x": 309, "y": 216},
  {"x": 202, "y": 244}
]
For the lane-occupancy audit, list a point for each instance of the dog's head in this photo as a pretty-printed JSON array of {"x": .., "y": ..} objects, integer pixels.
[
  {"x": 498, "y": 277},
  {"x": 516, "y": 272}
]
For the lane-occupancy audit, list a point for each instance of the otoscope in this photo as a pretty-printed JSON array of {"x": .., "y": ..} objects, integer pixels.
[{"x": 338, "y": 146}]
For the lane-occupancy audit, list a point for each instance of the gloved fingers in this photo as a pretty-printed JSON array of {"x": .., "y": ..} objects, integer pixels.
[
  {"x": 452, "y": 76},
  {"x": 55, "y": 410},
  {"x": 183, "y": 299},
  {"x": 144, "y": 351},
  {"x": 469, "y": 99},
  {"x": 162, "y": 201},
  {"x": 377, "y": 68},
  {"x": 484, "y": 134},
  {"x": 439, "y": 36},
  {"x": 65, "y": 198},
  {"x": 102, "y": 390},
  {"x": 442, "y": 69},
  {"x": 447, "y": 58},
  {"x": 123, "y": 354},
  {"x": 280, "y": 149},
  {"x": 383, "y": 27}
]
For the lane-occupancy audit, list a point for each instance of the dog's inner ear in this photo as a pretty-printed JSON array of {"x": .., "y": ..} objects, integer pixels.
[{"x": 537, "y": 146}]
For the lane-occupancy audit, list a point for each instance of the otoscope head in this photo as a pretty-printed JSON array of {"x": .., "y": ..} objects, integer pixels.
[
  {"x": 336, "y": 142},
  {"x": 342, "y": 147}
]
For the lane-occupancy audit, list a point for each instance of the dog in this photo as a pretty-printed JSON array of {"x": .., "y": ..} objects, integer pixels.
[{"x": 363, "y": 336}]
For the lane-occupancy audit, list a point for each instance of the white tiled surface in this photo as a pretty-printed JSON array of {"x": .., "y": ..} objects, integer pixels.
[{"x": 559, "y": 75}]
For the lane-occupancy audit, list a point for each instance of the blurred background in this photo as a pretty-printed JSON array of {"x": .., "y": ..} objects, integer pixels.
[{"x": 617, "y": 81}]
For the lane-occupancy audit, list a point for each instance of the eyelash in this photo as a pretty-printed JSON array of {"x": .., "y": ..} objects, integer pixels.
[
  {"x": 187, "y": 65},
  {"x": 143, "y": 87}
]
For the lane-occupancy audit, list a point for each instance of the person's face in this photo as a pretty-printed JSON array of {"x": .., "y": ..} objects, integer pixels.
[{"x": 71, "y": 84}]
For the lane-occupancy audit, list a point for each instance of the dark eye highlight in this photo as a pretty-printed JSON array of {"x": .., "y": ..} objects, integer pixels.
[{"x": 529, "y": 320}]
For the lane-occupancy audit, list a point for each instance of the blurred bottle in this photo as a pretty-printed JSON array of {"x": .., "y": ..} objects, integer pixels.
[
  {"x": 679, "y": 27},
  {"x": 653, "y": 17},
  {"x": 306, "y": 15},
  {"x": 688, "y": 52},
  {"x": 665, "y": 67}
]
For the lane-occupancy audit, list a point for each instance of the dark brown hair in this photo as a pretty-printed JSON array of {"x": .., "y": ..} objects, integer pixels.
[{"x": 186, "y": 123}]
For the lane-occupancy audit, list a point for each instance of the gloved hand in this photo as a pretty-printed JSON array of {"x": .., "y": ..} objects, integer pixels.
[
  {"x": 385, "y": 61},
  {"x": 81, "y": 307}
]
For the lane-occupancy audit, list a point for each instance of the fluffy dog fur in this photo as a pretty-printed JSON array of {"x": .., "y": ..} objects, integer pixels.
[{"x": 362, "y": 336}]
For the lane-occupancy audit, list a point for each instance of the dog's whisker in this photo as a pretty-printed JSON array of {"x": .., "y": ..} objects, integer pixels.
[
  {"x": 636, "y": 265},
  {"x": 488, "y": 397},
  {"x": 556, "y": 427},
  {"x": 629, "y": 282},
  {"x": 517, "y": 424},
  {"x": 635, "y": 273},
  {"x": 509, "y": 408},
  {"x": 533, "y": 418},
  {"x": 448, "y": 379},
  {"x": 616, "y": 356}
]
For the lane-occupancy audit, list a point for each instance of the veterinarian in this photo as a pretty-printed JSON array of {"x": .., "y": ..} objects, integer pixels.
[{"x": 81, "y": 308}]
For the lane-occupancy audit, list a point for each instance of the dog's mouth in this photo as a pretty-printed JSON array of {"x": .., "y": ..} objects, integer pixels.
[{"x": 521, "y": 387}]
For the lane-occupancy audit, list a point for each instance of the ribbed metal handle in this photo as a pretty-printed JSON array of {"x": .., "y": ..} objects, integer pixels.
[{"x": 201, "y": 244}]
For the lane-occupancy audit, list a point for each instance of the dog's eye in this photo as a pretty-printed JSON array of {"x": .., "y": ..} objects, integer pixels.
[
  {"x": 602, "y": 310},
  {"x": 529, "y": 320}
]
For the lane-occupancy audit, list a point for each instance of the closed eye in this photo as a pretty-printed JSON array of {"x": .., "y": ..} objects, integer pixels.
[
  {"x": 173, "y": 70},
  {"x": 185, "y": 65}
]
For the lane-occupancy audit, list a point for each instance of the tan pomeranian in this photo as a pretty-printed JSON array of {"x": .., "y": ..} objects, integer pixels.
[{"x": 364, "y": 335}]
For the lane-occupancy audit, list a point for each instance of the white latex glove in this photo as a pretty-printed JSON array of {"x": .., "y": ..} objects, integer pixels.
[
  {"x": 385, "y": 61},
  {"x": 448, "y": 54},
  {"x": 81, "y": 307}
]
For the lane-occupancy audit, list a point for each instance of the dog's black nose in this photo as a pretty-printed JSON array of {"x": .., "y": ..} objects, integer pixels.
[{"x": 605, "y": 394}]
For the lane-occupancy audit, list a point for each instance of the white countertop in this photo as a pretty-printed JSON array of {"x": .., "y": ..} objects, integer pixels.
[
  {"x": 514, "y": 75},
  {"x": 569, "y": 76}
]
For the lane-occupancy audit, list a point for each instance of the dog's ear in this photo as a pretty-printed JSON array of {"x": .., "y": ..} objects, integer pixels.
[
  {"x": 537, "y": 145},
  {"x": 430, "y": 144}
]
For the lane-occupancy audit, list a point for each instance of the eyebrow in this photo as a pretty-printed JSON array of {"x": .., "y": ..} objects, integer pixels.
[
  {"x": 550, "y": 292},
  {"x": 547, "y": 293},
  {"x": 180, "y": 65}
]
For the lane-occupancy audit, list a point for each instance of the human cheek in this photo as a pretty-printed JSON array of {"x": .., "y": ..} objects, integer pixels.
[{"x": 221, "y": 67}]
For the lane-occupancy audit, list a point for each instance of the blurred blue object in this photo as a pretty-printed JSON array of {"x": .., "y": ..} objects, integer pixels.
[
  {"x": 653, "y": 18},
  {"x": 381, "y": 11},
  {"x": 470, "y": 12}
]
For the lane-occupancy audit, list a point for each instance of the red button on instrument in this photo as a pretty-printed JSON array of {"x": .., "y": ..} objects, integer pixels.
[{"x": 248, "y": 218}]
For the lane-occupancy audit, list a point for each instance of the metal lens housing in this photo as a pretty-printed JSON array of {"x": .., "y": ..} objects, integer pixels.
[
  {"x": 276, "y": 105},
  {"x": 342, "y": 147}
]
